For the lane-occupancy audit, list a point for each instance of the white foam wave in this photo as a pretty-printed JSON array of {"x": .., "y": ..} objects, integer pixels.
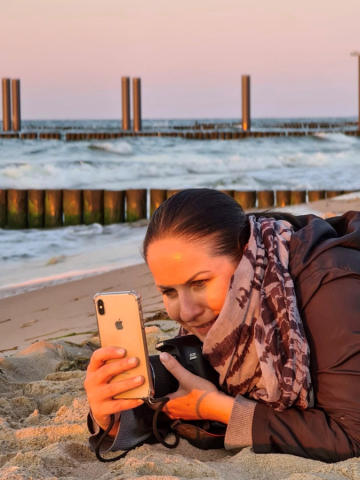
[{"x": 122, "y": 148}]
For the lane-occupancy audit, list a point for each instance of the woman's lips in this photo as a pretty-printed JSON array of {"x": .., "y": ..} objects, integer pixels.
[{"x": 205, "y": 327}]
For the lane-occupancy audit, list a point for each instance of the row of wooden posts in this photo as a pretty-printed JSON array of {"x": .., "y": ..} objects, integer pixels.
[
  {"x": 193, "y": 135},
  {"x": 56, "y": 208}
]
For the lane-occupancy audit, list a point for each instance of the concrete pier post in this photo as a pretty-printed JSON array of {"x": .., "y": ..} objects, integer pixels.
[
  {"x": 246, "y": 121},
  {"x": 125, "y": 97},
  {"x": 6, "y": 107},
  {"x": 16, "y": 108},
  {"x": 137, "y": 104}
]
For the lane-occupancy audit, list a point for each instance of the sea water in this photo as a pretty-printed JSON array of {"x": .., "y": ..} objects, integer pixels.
[{"x": 30, "y": 258}]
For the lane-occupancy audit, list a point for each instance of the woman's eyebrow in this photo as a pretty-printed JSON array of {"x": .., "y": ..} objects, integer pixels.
[{"x": 163, "y": 287}]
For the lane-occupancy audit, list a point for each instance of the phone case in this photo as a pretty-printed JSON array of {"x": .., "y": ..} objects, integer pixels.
[{"x": 121, "y": 324}]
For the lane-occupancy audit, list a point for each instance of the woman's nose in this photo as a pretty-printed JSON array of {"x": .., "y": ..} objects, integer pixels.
[{"x": 189, "y": 309}]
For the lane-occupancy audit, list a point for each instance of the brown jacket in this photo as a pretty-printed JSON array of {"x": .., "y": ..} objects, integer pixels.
[{"x": 325, "y": 267}]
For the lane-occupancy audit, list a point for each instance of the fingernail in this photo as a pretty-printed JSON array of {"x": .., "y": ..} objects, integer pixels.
[
  {"x": 164, "y": 357},
  {"x": 132, "y": 361},
  {"x": 120, "y": 351},
  {"x": 138, "y": 379}
]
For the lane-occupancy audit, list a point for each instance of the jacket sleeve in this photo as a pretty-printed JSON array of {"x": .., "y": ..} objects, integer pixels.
[
  {"x": 135, "y": 428},
  {"x": 329, "y": 432}
]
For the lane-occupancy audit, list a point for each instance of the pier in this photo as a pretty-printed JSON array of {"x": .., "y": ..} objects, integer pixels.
[{"x": 56, "y": 208}]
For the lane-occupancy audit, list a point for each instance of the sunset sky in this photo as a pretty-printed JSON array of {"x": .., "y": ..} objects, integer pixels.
[{"x": 190, "y": 55}]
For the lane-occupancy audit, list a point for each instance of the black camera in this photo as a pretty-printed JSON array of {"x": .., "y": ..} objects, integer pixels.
[{"x": 188, "y": 352}]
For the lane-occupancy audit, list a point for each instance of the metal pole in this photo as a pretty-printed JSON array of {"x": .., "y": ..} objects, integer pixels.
[
  {"x": 359, "y": 96},
  {"x": 125, "y": 96},
  {"x": 16, "y": 110},
  {"x": 137, "y": 103},
  {"x": 246, "y": 122},
  {"x": 6, "y": 104}
]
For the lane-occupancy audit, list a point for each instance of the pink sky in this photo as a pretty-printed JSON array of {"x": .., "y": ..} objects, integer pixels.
[{"x": 190, "y": 54}]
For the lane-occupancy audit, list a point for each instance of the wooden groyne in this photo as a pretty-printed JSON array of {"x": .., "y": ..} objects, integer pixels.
[
  {"x": 56, "y": 208},
  {"x": 187, "y": 134}
]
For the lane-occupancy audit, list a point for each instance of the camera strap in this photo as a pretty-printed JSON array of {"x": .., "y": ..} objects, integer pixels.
[{"x": 160, "y": 438}]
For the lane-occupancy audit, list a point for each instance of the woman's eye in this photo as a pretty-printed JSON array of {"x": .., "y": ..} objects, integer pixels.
[
  {"x": 199, "y": 283},
  {"x": 169, "y": 293}
]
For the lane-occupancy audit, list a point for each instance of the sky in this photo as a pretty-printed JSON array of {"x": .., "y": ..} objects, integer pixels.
[{"x": 190, "y": 55}]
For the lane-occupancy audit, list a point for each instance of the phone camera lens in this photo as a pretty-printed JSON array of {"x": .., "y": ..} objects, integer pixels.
[{"x": 101, "y": 308}]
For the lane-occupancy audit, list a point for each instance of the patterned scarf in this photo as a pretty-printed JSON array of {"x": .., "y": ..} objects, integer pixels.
[{"x": 258, "y": 343}]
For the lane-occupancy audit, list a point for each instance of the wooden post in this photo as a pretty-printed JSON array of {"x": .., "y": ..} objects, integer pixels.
[
  {"x": 297, "y": 197},
  {"x": 265, "y": 198},
  {"x": 36, "y": 208},
  {"x": 135, "y": 205},
  {"x": 3, "y": 213},
  {"x": 283, "y": 198},
  {"x": 125, "y": 96},
  {"x": 93, "y": 206},
  {"x": 246, "y": 199},
  {"x": 314, "y": 195},
  {"x": 72, "y": 207},
  {"x": 246, "y": 122},
  {"x": 17, "y": 208},
  {"x": 157, "y": 197},
  {"x": 228, "y": 192},
  {"x": 16, "y": 109},
  {"x": 6, "y": 109},
  {"x": 137, "y": 104},
  {"x": 170, "y": 193},
  {"x": 333, "y": 193},
  {"x": 53, "y": 208},
  {"x": 114, "y": 207}
]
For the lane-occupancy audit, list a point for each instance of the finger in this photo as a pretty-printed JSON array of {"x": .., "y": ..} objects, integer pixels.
[
  {"x": 115, "y": 388},
  {"x": 109, "y": 370},
  {"x": 114, "y": 406},
  {"x": 173, "y": 366},
  {"x": 100, "y": 356}
]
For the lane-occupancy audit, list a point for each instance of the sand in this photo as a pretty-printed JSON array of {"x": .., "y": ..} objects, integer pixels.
[{"x": 43, "y": 405}]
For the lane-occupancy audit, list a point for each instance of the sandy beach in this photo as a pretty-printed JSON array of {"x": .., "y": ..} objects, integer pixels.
[{"x": 47, "y": 338}]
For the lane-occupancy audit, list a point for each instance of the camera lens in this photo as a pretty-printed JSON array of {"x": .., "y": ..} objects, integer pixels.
[{"x": 101, "y": 308}]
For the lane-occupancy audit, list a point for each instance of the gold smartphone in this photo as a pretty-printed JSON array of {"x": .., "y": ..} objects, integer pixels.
[{"x": 120, "y": 322}]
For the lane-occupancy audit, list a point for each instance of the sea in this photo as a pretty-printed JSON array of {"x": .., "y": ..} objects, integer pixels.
[{"x": 35, "y": 258}]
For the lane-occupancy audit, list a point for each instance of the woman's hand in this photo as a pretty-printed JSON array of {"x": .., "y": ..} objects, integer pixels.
[
  {"x": 196, "y": 398},
  {"x": 100, "y": 392}
]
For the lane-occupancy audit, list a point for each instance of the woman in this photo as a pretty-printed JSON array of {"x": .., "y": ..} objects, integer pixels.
[{"x": 275, "y": 299}]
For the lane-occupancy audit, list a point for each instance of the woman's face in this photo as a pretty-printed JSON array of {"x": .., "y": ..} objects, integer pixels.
[{"x": 193, "y": 283}]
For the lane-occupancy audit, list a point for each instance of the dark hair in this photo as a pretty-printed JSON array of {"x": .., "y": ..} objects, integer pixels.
[{"x": 197, "y": 214}]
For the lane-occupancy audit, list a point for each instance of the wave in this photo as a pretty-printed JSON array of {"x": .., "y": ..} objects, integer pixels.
[{"x": 122, "y": 148}]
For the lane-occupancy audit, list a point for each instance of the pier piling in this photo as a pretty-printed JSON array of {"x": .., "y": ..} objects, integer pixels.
[
  {"x": 283, "y": 198},
  {"x": 246, "y": 121},
  {"x": 6, "y": 104},
  {"x": 16, "y": 108},
  {"x": 93, "y": 206},
  {"x": 157, "y": 197},
  {"x": 135, "y": 205},
  {"x": 36, "y": 208},
  {"x": 114, "y": 207},
  {"x": 72, "y": 207},
  {"x": 265, "y": 198},
  {"x": 125, "y": 96},
  {"x": 137, "y": 104},
  {"x": 17, "y": 208},
  {"x": 53, "y": 208},
  {"x": 333, "y": 193},
  {"x": 3, "y": 213},
  {"x": 297, "y": 197},
  {"x": 246, "y": 199},
  {"x": 314, "y": 195}
]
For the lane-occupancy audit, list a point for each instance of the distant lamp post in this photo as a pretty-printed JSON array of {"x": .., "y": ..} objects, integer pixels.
[{"x": 357, "y": 54}]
